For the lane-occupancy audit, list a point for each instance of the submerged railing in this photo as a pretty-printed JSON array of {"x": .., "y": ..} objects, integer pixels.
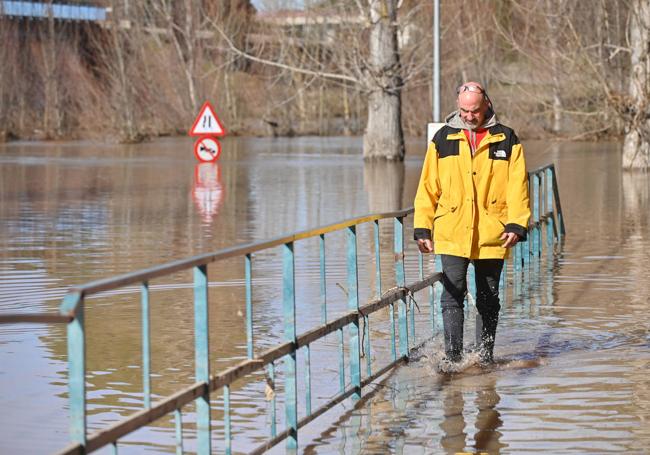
[{"x": 546, "y": 217}]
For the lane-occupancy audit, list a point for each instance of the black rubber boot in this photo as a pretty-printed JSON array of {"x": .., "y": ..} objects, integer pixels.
[
  {"x": 454, "y": 282},
  {"x": 488, "y": 273},
  {"x": 488, "y": 335},
  {"x": 453, "y": 320}
]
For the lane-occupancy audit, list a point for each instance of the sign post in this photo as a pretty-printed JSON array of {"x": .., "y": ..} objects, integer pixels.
[{"x": 208, "y": 127}]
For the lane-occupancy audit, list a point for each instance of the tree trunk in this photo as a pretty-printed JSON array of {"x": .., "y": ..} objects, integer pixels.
[
  {"x": 125, "y": 109},
  {"x": 383, "y": 138},
  {"x": 553, "y": 10},
  {"x": 300, "y": 88},
  {"x": 190, "y": 65},
  {"x": 231, "y": 104},
  {"x": 603, "y": 35},
  {"x": 49, "y": 47},
  {"x": 636, "y": 146},
  {"x": 321, "y": 108},
  {"x": 346, "y": 112},
  {"x": 181, "y": 22}
]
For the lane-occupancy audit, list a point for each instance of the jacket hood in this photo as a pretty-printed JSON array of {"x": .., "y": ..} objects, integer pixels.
[{"x": 454, "y": 120}]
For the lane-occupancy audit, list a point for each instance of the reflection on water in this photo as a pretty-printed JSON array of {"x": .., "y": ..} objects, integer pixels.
[
  {"x": 573, "y": 348},
  {"x": 384, "y": 184},
  {"x": 207, "y": 190}
]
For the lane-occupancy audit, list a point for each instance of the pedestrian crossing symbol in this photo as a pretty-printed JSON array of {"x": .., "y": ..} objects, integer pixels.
[{"x": 207, "y": 123}]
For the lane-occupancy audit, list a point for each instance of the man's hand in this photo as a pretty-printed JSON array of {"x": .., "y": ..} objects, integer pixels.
[
  {"x": 510, "y": 239},
  {"x": 425, "y": 245}
]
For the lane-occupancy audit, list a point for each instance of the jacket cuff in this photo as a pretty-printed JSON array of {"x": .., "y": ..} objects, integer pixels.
[
  {"x": 422, "y": 233},
  {"x": 521, "y": 231}
]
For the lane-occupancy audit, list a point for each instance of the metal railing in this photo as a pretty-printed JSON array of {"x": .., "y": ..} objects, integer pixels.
[{"x": 546, "y": 213}]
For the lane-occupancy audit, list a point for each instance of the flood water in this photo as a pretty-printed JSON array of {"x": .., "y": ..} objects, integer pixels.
[{"x": 573, "y": 346}]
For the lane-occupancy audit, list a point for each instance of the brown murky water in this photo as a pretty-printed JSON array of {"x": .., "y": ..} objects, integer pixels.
[{"x": 573, "y": 349}]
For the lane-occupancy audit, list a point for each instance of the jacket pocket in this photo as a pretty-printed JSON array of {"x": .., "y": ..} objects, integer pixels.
[
  {"x": 497, "y": 207},
  {"x": 444, "y": 223},
  {"x": 490, "y": 229}
]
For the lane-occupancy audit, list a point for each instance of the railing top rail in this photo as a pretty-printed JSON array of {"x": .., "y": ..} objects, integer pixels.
[
  {"x": 144, "y": 275},
  {"x": 542, "y": 168},
  {"x": 34, "y": 318}
]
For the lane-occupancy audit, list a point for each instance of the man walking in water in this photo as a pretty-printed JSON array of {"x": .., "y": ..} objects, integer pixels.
[{"x": 473, "y": 197}]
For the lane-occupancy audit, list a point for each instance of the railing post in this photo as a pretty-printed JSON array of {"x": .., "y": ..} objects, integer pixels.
[
  {"x": 341, "y": 360},
  {"x": 76, "y": 366},
  {"x": 378, "y": 290},
  {"x": 178, "y": 423},
  {"x": 323, "y": 280},
  {"x": 226, "y": 419},
  {"x": 202, "y": 357},
  {"x": 517, "y": 259},
  {"x": 366, "y": 326},
  {"x": 308, "y": 380},
  {"x": 536, "y": 216},
  {"x": 516, "y": 269},
  {"x": 525, "y": 245},
  {"x": 503, "y": 284},
  {"x": 471, "y": 286},
  {"x": 391, "y": 321},
  {"x": 377, "y": 258},
  {"x": 249, "y": 305},
  {"x": 525, "y": 251},
  {"x": 439, "y": 288},
  {"x": 271, "y": 378},
  {"x": 146, "y": 349},
  {"x": 289, "y": 310},
  {"x": 431, "y": 304},
  {"x": 550, "y": 220},
  {"x": 401, "y": 280},
  {"x": 558, "y": 205},
  {"x": 353, "y": 305}
]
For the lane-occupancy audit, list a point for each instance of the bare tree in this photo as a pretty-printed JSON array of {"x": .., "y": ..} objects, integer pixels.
[
  {"x": 369, "y": 61},
  {"x": 571, "y": 69},
  {"x": 120, "y": 78},
  {"x": 182, "y": 22},
  {"x": 235, "y": 16},
  {"x": 7, "y": 55},
  {"x": 49, "y": 50},
  {"x": 636, "y": 146},
  {"x": 382, "y": 78}
]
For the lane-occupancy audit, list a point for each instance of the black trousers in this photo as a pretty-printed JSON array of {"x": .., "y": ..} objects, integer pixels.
[{"x": 454, "y": 281}]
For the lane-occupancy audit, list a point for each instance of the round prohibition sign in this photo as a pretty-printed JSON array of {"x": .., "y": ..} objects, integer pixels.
[{"x": 207, "y": 149}]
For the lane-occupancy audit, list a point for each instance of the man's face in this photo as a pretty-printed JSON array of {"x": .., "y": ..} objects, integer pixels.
[{"x": 472, "y": 107}]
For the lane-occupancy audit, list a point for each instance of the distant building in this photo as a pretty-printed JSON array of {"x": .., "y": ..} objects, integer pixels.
[
  {"x": 323, "y": 24},
  {"x": 58, "y": 10}
]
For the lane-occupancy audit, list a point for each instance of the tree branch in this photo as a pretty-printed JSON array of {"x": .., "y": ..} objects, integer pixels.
[{"x": 321, "y": 74}]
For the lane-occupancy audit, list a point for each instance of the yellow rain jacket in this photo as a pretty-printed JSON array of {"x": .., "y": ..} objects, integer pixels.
[{"x": 470, "y": 201}]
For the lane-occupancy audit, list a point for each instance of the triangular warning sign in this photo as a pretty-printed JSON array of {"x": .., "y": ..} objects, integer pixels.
[{"x": 207, "y": 123}]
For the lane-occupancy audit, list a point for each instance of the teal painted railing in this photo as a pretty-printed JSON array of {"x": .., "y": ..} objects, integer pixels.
[{"x": 546, "y": 218}]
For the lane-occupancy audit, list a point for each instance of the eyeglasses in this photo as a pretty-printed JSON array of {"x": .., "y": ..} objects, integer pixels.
[{"x": 470, "y": 88}]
